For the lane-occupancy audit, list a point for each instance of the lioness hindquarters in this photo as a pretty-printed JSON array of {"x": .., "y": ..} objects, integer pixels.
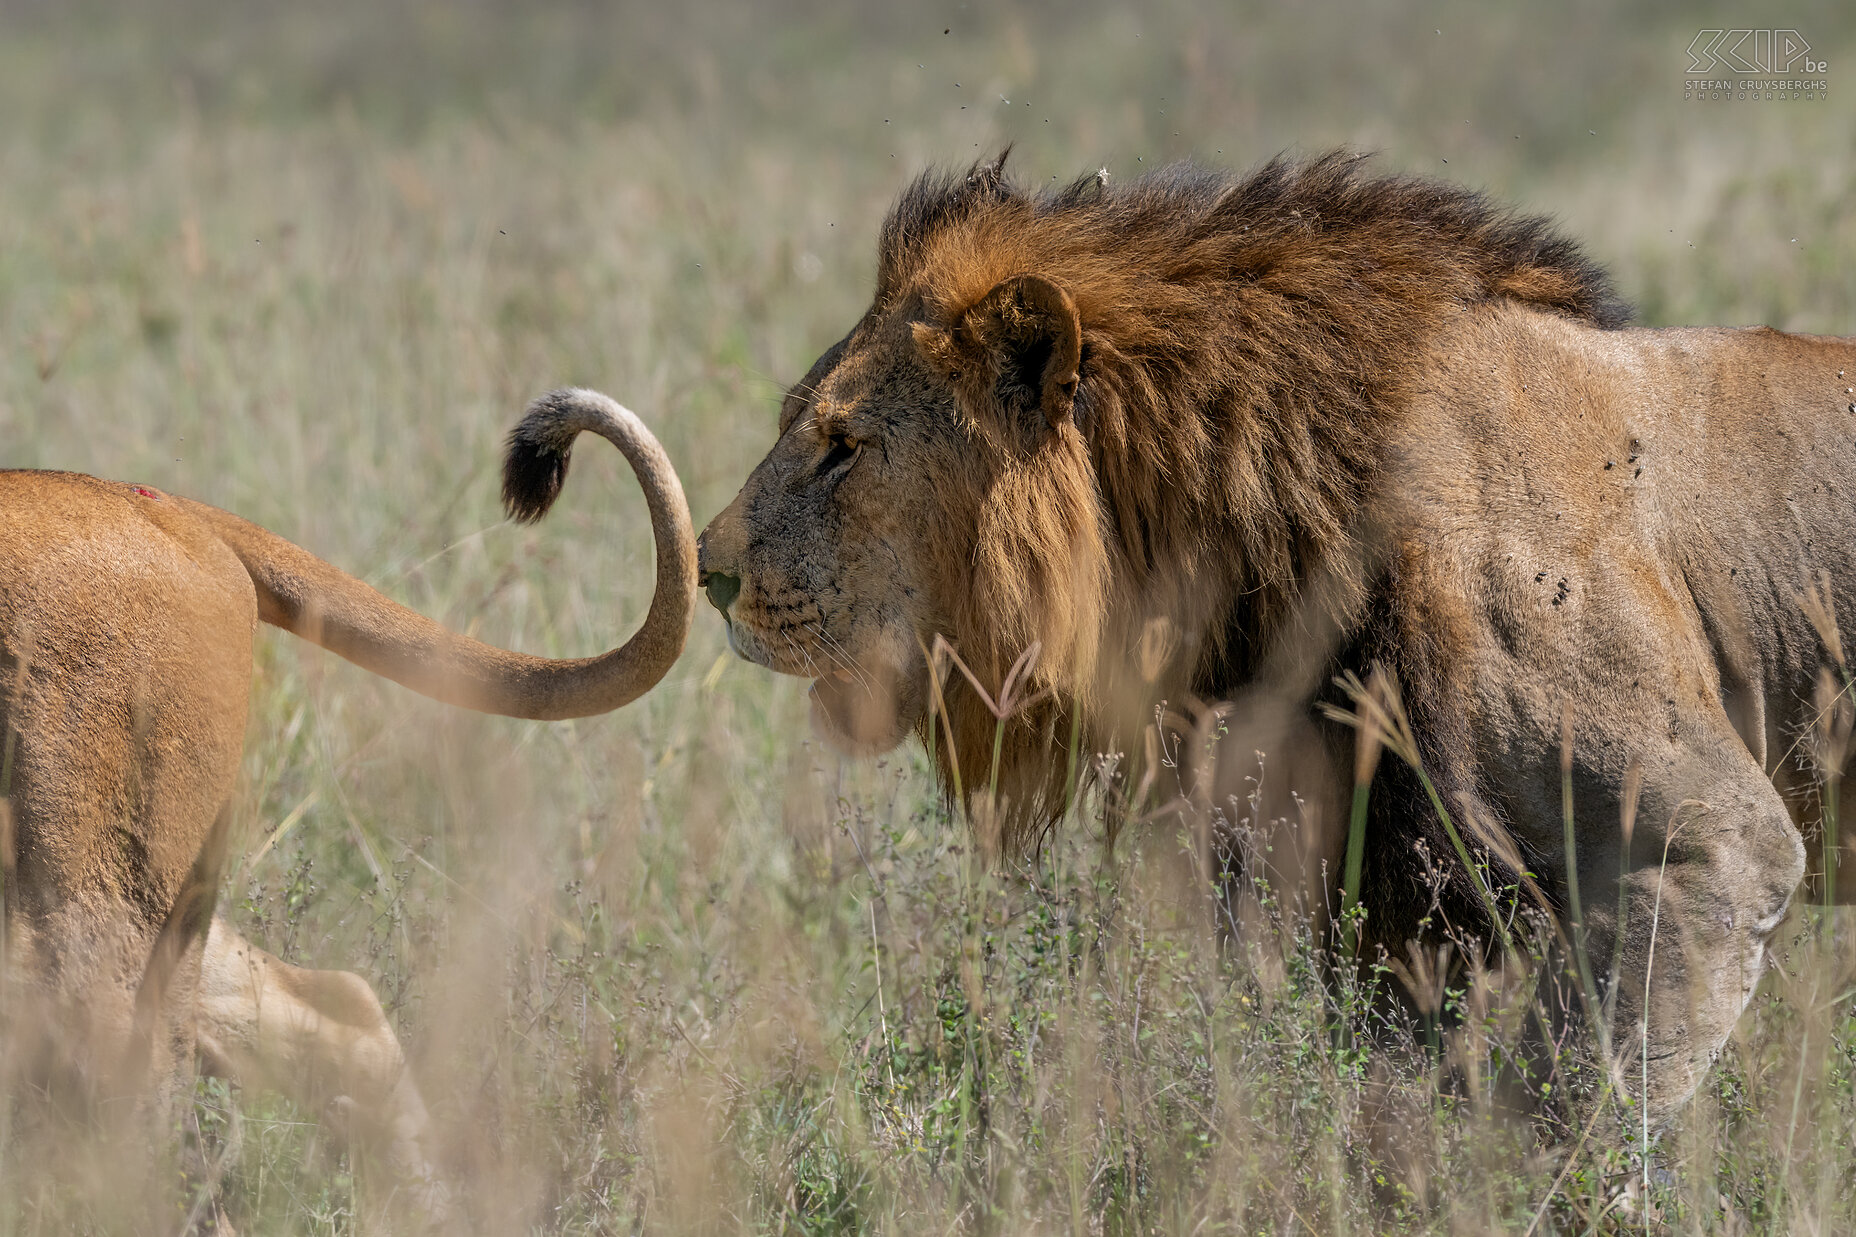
[
  {"x": 126, "y": 620},
  {"x": 125, "y": 637}
]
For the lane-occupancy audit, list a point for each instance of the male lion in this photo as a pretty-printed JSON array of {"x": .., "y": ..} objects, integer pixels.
[
  {"x": 1216, "y": 438},
  {"x": 126, "y": 620}
]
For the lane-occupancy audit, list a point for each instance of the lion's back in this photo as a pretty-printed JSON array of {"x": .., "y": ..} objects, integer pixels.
[{"x": 74, "y": 544}]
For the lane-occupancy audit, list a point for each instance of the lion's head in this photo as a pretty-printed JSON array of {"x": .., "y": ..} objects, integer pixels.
[{"x": 1117, "y": 424}]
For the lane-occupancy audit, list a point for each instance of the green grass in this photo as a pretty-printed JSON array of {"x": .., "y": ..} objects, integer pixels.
[{"x": 679, "y": 969}]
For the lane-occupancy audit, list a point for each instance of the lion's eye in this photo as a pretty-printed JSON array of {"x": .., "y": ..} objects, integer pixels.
[{"x": 843, "y": 449}]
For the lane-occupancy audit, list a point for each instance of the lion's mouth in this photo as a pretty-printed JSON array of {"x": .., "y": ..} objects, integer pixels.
[
  {"x": 862, "y": 709},
  {"x": 735, "y": 645},
  {"x": 782, "y": 656}
]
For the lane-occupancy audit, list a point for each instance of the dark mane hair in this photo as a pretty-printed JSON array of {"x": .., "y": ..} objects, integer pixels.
[
  {"x": 1248, "y": 344},
  {"x": 1200, "y": 214}
]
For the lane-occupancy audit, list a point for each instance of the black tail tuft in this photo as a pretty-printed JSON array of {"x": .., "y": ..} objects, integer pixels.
[{"x": 536, "y": 465}]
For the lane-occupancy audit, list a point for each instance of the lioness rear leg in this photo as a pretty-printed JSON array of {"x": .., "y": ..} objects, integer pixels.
[{"x": 322, "y": 1039}]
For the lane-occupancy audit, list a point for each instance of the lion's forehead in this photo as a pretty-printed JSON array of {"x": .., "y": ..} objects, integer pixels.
[{"x": 879, "y": 374}]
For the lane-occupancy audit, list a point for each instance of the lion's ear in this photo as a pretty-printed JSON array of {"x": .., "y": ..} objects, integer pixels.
[{"x": 1030, "y": 338}]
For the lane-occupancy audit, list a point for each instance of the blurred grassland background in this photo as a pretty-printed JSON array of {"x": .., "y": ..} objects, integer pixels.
[{"x": 678, "y": 969}]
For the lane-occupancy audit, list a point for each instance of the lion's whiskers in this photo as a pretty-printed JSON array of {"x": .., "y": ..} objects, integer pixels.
[{"x": 841, "y": 656}]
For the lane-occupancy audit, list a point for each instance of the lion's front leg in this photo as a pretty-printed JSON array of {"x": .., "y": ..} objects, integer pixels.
[
  {"x": 1708, "y": 888},
  {"x": 321, "y": 1038}
]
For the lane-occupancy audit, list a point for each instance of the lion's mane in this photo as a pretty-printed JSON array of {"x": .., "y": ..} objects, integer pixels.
[{"x": 1247, "y": 346}]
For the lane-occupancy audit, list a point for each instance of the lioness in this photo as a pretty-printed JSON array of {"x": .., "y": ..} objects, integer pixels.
[
  {"x": 1226, "y": 438},
  {"x": 126, "y": 621}
]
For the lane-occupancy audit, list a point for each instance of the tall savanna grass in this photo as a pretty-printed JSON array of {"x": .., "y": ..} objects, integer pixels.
[{"x": 679, "y": 969}]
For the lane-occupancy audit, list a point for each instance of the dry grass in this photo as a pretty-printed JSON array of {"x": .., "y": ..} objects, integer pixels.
[{"x": 678, "y": 970}]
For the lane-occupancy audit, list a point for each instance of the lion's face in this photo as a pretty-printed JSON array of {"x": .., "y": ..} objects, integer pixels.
[
  {"x": 879, "y": 519},
  {"x": 817, "y": 564}
]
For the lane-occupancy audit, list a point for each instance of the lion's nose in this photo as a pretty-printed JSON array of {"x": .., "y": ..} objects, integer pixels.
[
  {"x": 722, "y": 589},
  {"x": 722, "y": 586}
]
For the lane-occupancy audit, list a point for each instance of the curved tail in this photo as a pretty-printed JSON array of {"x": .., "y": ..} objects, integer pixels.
[{"x": 302, "y": 594}]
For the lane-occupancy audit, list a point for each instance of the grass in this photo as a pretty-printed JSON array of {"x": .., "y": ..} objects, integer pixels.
[{"x": 678, "y": 969}]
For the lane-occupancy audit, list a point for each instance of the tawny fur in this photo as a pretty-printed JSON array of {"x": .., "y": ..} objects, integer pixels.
[
  {"x": 126, "y": 623},
  {"x": 1320, "y": 420}
]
